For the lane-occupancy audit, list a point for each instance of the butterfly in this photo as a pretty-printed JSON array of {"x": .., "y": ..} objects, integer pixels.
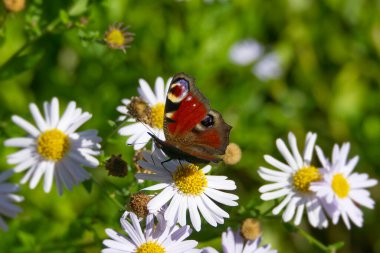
[{"x": 193, "y": 131}]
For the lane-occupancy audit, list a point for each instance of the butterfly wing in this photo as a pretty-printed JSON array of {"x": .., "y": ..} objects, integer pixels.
[{"x": 190, "y": 125}]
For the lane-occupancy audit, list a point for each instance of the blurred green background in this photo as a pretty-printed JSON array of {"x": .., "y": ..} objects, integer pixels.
[{"x": 330, "y": 84}]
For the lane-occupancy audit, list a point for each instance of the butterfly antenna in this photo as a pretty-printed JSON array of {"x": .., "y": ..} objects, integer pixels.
[{"x": 150, "y": 132}]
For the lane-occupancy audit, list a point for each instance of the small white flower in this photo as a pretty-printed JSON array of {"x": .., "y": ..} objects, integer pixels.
[
  {"x": 53, "y": 148},
  {"x": 187, "y": 188},
  {"x": 292, "y": 181},
  {"x": 268, "y": 68},
  {"x": 157, "y": 237},
  {"x": 245, "y": 52},
  {"x": 233, "y": 242},
  {"x": 7, "y": 196},
  {"x": 342, "y": 190},
  {"x": 138, "y": 131}
]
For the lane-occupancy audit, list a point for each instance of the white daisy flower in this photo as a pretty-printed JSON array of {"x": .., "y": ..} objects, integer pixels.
[
  {"x": 53, "y": 148},
  {"x": 343, "y": 190},
  {"x": 138, "y": 130},
  {"x": 233, "y": 242},
  {"x": 268, "y": 68},
  {"x": 245, "y": 52},
  {"x": 292, "y": 181},
  {"x": 157, "y": 237},
  {"x": 187, "y": 188},
  {"x": 7, "y": 196}
]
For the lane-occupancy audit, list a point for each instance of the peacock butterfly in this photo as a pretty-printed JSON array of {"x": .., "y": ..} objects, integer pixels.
[{"x": 193, "y": 131}]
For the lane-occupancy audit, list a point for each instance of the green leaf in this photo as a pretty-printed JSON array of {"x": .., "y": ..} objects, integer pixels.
[
  {"x": 78, "y": 8},
  {"x": 111, "y": 123},
  {"x": 26, "y": 238},
  {"x": 64, "y": 16},
  {"x": 88, "y": 185},
  {"x": 19, "y": 64},
  {"x": 336, "y": 245}
]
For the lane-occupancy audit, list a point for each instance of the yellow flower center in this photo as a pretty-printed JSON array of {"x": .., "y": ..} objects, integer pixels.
[
  {"x": 304, "y": 176},
  {"x": 157, "y": 115},
  {"x": 340, "y": 185},
  {"x": 115, "y": 38},
  {"x": 53, "y": 144},
  {"x": 190, "y": 180},
  {"x": 150, "y": 247}
]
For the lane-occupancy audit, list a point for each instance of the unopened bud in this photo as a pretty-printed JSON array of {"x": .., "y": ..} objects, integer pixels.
[
  {"x": 233, "y": 154},
  {"x": 116, "y": 166},
  {"x": 250, "y": 229},
  {"x": 14, "y": 5},
  {"x": 139, "y": 204}
]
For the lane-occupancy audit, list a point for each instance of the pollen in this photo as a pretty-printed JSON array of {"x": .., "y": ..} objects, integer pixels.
[
  {"x": 53, "y": 144},
  {"x": 340, "y": 185},
  {"x": 304, "y": 176},
  {"x": 150, "y": 247},
  {"x": 116, "y": 38},
  {"x": 190, "y": 180},
  {"x": 139, "y": 110},
  {"x": 157, "y": 116}
]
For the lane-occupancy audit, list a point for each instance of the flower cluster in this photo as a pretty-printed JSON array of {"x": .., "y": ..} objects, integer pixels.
[
  {"x": 157, "y": 236},
  {"x": 7, "y": 196},
  {"x": 187, "y": 187},
  {"x": 233, "y": 242},
  {"x": 331, "y": 189},
  {"x": 183, "y": 194},
  {"x": 144, "y": 113},
  {"x": 52, "y": 149}
]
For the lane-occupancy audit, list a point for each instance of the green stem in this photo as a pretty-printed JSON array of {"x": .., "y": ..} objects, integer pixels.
[
  {"x": 49, "y": 28},
  {"x": 312, "y": 240},
  {"x": 109, "y": 195},
  {"x": 269, "y": 209}
]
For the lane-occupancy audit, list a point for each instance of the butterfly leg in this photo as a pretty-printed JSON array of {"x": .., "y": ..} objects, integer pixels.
[
  {"x": 162, "y": 163},
  {"x": 179, "y": 161}
]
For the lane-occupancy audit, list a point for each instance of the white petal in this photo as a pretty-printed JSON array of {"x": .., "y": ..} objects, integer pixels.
[
  {"x": 194, "y": 214},
  {"x": 286, "y": 154},
  {"x": 309, "y": 147},
  {"x": 40, "y": 171},
  {"x": 38, "y": 119},
  {"x": 48, "y": 180},
  {"x": 323, "y": 160},
  {"x": 205, "y": 212},
  {"x": 131, "y": 129},
  {"x": 222, "y": 197},
  {"x": 163, "y": 197},
  {"x": 277, "y": 164},
  {"x": 32, "y": 130},
  {"x": 54, "y": 112},
  {"x": 275, "y": 194},
  {"x": 19, "y": 142},
  {"x": 293, "y": 145},
  {"x": 271, "y": 187},
  {"x": 283, "y": 203},
  {"x": 146, "y": 92},
  {"x": 159, "y": 89},
  {"x": 66, "y": 120}
]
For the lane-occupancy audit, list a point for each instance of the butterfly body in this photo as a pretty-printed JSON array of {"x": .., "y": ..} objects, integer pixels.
[{"x": 193, "y": 131}]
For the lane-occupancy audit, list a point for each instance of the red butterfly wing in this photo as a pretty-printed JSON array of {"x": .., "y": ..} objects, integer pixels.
[{"x": 191, "y": 128}]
